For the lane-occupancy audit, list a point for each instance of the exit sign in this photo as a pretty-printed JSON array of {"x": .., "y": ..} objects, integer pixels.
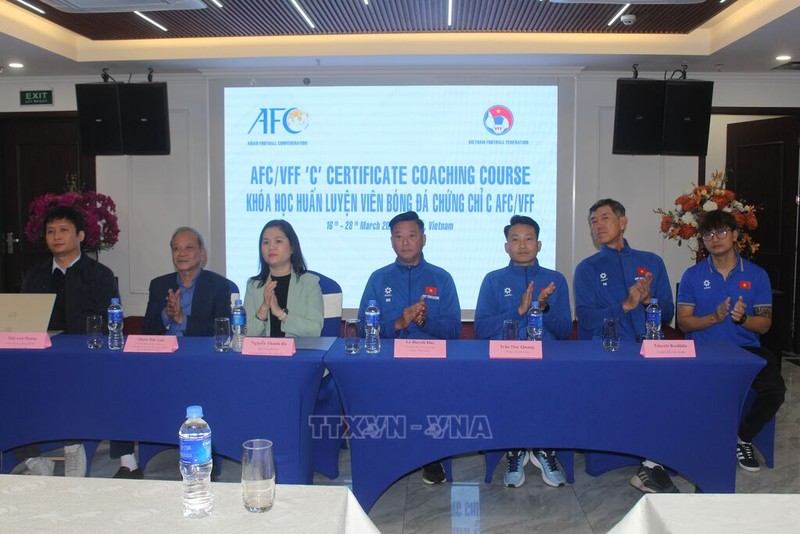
[{"x": 35, "y": 98}]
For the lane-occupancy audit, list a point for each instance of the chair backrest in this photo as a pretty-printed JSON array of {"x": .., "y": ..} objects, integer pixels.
[{"x": 332, "y": 305}]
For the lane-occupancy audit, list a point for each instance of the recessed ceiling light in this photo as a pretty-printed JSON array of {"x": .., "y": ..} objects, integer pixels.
[
  {"x": 151, "y": 21},
  {"x": 217, "y": 3},
  {"x": 303, "y": 14},
  {"x": 16, "y": 65},
  {"x": 31, "y": 6},
  {"x": 619, "y": 13},
  {"x": 783, "y": 58}
]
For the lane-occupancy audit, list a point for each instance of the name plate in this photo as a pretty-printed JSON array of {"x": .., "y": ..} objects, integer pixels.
[
  {"x": 24, "y": 340},
  {"x": 420, "y": 348},
  {"x": 515, "y": 350},
  {"x": 679, "y": 348},
  {"x": 268, "y": 346},
  {"x": 153, "y": 344}
]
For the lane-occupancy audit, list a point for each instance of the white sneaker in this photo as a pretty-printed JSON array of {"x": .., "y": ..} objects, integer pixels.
[
  {"x": 40, "y": 466},
  {"x": 74, "y": 460}
]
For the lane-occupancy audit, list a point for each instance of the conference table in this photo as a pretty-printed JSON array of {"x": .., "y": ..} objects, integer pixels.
[
  {"x": 404, "y": 413},
  {"x": 70, "y": 392},
  {"x": 60, "y": 504}
]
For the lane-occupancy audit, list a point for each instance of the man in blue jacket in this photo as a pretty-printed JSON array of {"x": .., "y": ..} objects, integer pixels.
[
  {"x": 728, "y": 299},
  {"x": 619, "y": 281},
  {"x": 417, "y": 300},
  {"x": 507, "y": 294},
  {"x": 182, "y": 303}
]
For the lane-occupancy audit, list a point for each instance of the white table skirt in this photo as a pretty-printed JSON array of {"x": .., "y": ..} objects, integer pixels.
[
  {"x": 710, "y": 513},
  {"x": 58, "y": 504}
]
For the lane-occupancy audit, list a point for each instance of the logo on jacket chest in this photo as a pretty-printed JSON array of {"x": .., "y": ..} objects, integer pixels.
[
  {"x": 387, "y": 294},
  {"x": 603, "y": 279}
]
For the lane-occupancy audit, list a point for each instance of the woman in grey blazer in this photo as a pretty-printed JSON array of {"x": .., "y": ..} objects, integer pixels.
[{"x": 283, "y": 299}]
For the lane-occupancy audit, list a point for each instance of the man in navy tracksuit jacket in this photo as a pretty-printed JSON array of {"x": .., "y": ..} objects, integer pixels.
[
  {"x": 417, "y": 300},
  {"x": 618, "y": 282},
  {"x": 508, "y": 294}
]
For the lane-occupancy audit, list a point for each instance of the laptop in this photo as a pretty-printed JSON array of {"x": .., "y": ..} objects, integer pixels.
[{"x": 25, "y": 312}]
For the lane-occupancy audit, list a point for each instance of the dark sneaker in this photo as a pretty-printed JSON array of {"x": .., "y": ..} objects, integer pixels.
[
  {"x": 653, "y": 480},
  {"x": 747, "y": 457},
  {"x": 124, "y": 472},
  {"x": 515, "y": 470},
  {"x": 433, "y": 473}
]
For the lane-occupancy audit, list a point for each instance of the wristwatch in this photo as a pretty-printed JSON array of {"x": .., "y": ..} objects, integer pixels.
[{"x": 741, "y": 320}]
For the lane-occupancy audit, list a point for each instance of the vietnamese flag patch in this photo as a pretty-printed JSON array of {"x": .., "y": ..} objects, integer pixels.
[
  {"x": 744, "y": 284},
  {"x": 430, "y": 290},
  {"x": 641, "y": 271}
]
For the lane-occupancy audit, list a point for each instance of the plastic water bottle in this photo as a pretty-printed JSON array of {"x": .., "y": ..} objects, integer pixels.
[
  {"x": 239, "y": 325},
  {"x": 196, "y": 463},
  {"x": 372, "y": 328},
  {"x": 653, "y": 320},
  {"x": 115, "y": 315},
  {"x": 535, "y": 323}
]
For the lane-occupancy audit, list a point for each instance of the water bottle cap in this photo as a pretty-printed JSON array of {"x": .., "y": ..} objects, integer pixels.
[
  {"x": 373, "y": 302},
  {"x": 114, "y": 300},
  {"x": 653, "y": 300},
  {"x": 194, "y": 411},
  {"x": 237, "y": 302}
]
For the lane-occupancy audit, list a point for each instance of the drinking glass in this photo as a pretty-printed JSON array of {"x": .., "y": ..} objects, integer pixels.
[
  {"x": 222, "y": 334},
  {"x": 510, "y": 329},
  {"x": 352, "y": 336},
  {"x": 611, "y": 333},
  {"x": 258, "y": 475},
  {"x": 94, "y": 331}
]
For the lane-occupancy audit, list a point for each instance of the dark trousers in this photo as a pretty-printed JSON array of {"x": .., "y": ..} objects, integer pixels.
[
  {"x": 118, "y": 449},
  {"x": 770, "y": 391}
]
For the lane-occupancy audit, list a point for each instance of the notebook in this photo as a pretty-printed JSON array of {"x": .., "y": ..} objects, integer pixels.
[{"x": 25, "y": 312}]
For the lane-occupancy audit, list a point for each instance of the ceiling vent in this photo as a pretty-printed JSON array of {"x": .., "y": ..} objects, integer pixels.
[
  {"x": 632, "y": 2},
  {"x": 117, "y": 6}
]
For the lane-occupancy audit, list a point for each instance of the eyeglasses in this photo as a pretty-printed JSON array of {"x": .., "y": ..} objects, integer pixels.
[{"x": 721, "y": 234}]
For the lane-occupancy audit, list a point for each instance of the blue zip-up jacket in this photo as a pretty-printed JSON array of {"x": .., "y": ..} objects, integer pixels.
[
  {"x": 501, "y": 292},
  {"x": 396, "y": 287},
  {"x": 601, "y": 285}
]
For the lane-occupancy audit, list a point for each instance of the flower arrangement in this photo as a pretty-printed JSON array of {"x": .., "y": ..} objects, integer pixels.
[
  {"x": 681, "y": 223},
  {"x": 99, "y": 212}
]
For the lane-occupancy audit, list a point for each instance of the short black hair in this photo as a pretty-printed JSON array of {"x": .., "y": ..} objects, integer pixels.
[
  {"x": 66, "y": 212},
  {"x": 716, "y": 220},
  {"x": 521, "y": 219},
  {"x": 616, "y": 207},
  {"x": 407, "y": 216}
]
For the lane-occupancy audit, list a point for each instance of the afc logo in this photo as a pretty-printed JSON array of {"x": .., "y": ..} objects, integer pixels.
[{"x": 289, "y": 120}]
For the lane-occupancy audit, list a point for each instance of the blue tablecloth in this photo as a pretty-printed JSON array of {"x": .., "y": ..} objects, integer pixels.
[
  {"x": 70, "y": 392},
  {"x": 407, "y": 412}
]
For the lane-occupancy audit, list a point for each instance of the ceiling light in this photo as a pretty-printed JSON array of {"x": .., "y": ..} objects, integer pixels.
[
  {"x": 217, "y": 3},
  {"x": 779, "y": 58},
  {"x": 449, "y": 12},
  {"x": 15, "y": 65},
  {"x": 303, "y": 13},
  {"x": 620, "y": 12},
  {"x": 151, "y": 21},
  {"x": 31, "y": 6}
]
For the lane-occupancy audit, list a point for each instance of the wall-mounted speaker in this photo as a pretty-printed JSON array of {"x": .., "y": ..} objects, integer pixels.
[
  {"x": 638, "y": 116},
  {"x": 687, "y": 115},
  {"x": 123, "y": 118},
  {"x": 669, "y": 117},
  {"x": 99, "y": 118}
]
